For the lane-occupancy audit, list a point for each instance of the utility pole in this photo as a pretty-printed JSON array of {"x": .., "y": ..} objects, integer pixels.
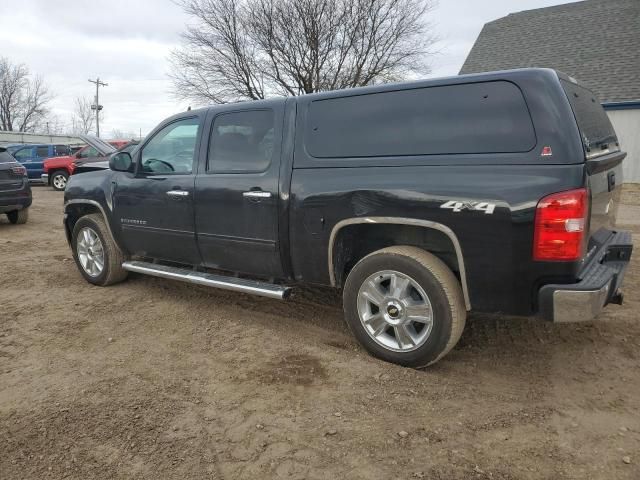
[{"x": 97, "y": 107}]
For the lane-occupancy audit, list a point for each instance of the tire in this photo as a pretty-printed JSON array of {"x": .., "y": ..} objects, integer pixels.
[
  {"x": 112, "y": 257},
  {"x": 58, "y": 180},
  {"x": 18, "y": 217},
  {"x": 424, "y": 275}
]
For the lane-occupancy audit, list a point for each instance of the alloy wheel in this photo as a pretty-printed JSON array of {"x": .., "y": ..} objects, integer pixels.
[
  {"x": 395, "y": 311},
  {"x": 90, "y": 252}
]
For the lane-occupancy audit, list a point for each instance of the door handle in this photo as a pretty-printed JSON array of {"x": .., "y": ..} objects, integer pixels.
[
  {"x": 256, "y": 194},
  {"x": 178, "y": 193}
]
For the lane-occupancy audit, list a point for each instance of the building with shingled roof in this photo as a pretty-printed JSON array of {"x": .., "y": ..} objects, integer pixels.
[{"x": 597, "y": 42}]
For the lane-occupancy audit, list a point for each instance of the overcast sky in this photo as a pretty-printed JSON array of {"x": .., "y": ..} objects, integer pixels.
[{"x": 126, "y": 44}]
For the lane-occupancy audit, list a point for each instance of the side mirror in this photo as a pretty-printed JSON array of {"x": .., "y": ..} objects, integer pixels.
[
  {"x": 121, "y": 162},
  {"x": 77, "y": 155}
]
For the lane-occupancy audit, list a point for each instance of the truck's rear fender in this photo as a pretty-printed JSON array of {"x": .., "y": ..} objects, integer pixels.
[
  {"x": 354, "y": 238},
  {"x": 489, "y": 209}
]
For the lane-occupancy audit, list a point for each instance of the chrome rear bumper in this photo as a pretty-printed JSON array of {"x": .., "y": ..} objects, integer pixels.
[{"x": 600, "y": 284}]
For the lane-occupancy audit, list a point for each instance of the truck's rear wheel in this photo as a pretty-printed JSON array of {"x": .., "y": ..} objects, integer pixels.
[
  {"x": 97, "y": 256},
  {"x": 404, "y": 306},
  {"x": 18, "y": 216},
  {"x": 59, "y": 180}
]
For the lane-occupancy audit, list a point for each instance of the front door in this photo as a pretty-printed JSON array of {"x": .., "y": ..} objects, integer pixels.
[
  {"x": 154, "y": 206},
  {"x": 237, "y": 208}
]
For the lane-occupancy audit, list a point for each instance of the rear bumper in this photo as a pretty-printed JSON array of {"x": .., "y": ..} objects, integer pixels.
[
  {"x": 600, "y": 284},
  {"x": 15, "y": 201}
]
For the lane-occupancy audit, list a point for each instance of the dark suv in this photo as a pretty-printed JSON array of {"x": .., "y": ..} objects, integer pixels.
[
  {"x": 420, "y": 201},
  {"x": 15, "y": 192}
]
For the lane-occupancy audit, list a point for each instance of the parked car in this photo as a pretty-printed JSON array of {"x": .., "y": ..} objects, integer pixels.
[
  {"x": 421, "y": 201},
  {"x": 33, "y": 157},
  {"x": 15, "y": 191},
  {"x": 58, "y": 170}
]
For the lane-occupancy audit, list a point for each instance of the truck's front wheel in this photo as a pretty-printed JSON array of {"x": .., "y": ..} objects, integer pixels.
[
  {"x": 97, "y": 256},
  {"x": 405, "y": 306}
]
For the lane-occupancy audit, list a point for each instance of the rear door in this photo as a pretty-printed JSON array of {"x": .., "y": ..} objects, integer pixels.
[
  {"x": 237, "y": 191},
  {"x": 603, "y": 155}
]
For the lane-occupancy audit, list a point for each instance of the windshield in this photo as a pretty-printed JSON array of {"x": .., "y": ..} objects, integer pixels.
[{"x": 598, "y": 135}]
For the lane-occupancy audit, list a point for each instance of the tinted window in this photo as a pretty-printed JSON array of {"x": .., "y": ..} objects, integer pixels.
[
  {"x": 241, "y": 141},
  {"x": 486, "y": 117},
  {"x": 171, "y": 150},
  {"x": 42, "y": 152},
  {"x": 62, "y": 150},
  {"x": 23, "y": 154},
  {"x": 594, "y": 124}
]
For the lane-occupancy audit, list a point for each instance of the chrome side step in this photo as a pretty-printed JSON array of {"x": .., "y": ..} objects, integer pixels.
[{"x": 210, "y": 280}]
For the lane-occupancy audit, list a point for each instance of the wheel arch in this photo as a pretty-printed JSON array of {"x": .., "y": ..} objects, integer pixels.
[
  {"x": 75, "y": 209},
  {"x": 338, "y": 260}
]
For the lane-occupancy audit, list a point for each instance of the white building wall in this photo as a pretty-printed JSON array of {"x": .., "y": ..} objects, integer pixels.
[
  {"x": 21, "y": 137},
  {"x": 627, "y": 126}
]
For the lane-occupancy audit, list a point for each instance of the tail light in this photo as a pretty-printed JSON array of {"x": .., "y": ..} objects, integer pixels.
[
  {"x": 19, "y": 170},
  {"x": 560, "y": 226}
]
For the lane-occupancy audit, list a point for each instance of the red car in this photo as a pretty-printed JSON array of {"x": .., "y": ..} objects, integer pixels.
[{"x": 57, "y": 170}]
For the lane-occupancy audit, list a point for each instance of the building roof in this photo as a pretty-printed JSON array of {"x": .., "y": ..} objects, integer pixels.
[{"x": 595, "y": 41}]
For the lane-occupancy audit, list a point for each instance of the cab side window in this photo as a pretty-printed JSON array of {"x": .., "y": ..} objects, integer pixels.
[
  {"x": 241, "y": 142},
  {"x": 171, "y": 150}
]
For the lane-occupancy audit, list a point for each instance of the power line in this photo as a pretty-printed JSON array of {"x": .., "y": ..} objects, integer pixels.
[{"x": 97, "y": 107}]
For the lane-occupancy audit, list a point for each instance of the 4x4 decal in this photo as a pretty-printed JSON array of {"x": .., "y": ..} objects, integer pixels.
[{"x": 456, "y": 206}]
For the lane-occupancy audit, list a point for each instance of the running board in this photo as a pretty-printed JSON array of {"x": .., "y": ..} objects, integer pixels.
[{"x": 210, "y": 280}]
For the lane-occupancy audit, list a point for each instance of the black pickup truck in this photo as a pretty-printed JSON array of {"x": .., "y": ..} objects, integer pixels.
[{"x": 421, "y": 201}]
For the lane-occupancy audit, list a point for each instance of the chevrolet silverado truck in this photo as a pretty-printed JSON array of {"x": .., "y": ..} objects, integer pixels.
[{"x": 420, "y": 202}]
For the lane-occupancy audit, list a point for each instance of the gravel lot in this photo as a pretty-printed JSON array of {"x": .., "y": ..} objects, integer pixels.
[{"x": 155, "y": 379}]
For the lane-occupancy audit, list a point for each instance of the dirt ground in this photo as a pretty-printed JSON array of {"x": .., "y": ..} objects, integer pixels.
[{"x": 155, "y": 379}]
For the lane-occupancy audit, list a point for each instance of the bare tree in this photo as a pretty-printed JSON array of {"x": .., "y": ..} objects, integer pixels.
[
  {"x": 118, "y": 134},
  {"x": 84, "y": 118},
  {"x": 23, "y": 100},
  {"x": 251, "y": 49},
  {"x": 53, "y": 125}
]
